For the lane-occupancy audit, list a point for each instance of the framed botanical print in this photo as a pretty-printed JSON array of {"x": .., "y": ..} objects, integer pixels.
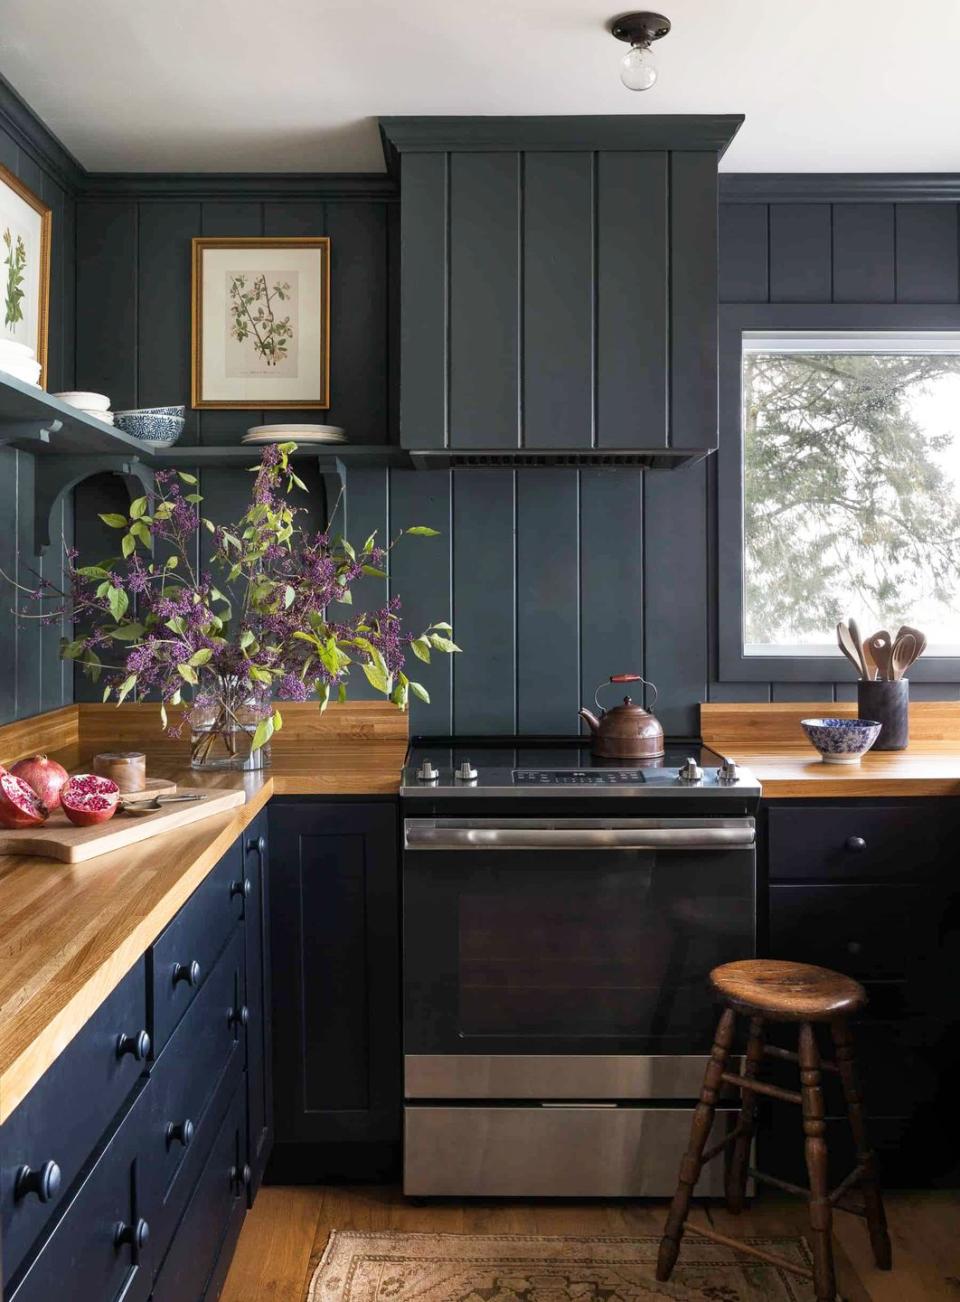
[
  {"x": 261, "y": 322},
  {"x": 24, "y": 270}
]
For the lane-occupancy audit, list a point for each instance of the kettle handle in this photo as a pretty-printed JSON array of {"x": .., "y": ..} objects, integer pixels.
[{"x": 627, "y": 678}]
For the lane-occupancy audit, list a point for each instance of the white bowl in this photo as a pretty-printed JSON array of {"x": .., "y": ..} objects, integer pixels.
[
  {"x": 10, "y": 347},
  {"x": 21, "y": 370},
  {"x": 84, "y": 400}
]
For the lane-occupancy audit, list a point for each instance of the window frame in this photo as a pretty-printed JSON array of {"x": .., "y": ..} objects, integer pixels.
[{"x": 735, "y": 319}]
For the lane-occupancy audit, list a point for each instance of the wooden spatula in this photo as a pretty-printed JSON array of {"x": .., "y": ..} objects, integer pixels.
[{"x": 881, "y": 647}]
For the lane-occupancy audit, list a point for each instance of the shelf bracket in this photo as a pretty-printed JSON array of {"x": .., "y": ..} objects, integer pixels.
[
  {"x": 333, "y": 476},
  {"x": 58, "y": 476},
  {"x": 28, "y": 431}
]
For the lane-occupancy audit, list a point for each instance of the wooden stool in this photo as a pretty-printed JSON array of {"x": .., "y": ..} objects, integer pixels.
[{"x": 764, "y": 990}]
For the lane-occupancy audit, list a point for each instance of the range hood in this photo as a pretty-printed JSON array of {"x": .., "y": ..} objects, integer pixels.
[{"x": 558, "y": 295}]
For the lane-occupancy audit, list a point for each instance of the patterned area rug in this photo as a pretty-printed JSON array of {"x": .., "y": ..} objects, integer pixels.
[{"x": 398, "y": 1267}]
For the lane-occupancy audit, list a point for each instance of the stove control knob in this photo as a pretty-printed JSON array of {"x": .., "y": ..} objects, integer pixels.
[
  {"x": 690, "y": 771},
  {"x": 427, "y": 773},
  {"x": 728, "y": 771},
  {"x": 466, "y": 772}
]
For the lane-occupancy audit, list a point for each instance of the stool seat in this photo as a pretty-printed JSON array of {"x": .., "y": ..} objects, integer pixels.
[{"x": 795, "y": 992}]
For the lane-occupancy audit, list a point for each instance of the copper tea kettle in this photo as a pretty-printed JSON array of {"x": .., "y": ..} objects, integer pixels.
[{"x": 627, "y": 731}]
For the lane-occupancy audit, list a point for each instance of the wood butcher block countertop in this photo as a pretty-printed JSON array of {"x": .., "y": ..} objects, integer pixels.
[
  {"x": 768, "y": 740},
  {"x": 70, "y": 932}
]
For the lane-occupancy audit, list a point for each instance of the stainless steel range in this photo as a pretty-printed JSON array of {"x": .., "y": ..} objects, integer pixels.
[{"x": 560, "y": 917}]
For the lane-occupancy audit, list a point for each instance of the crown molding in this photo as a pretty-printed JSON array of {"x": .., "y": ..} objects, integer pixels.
[
  {"x": 839, "y": 187},
  {"x": 36, "y": 140}
]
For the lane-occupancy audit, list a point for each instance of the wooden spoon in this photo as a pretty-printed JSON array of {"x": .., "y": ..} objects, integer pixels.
[
  {"x": 882, "y": 648},
  {"x": 920, "y": 638},
  {"x": 858, "y": 643},
  {"x": 872, "y": 671},
  {"x": 904, "y": 654},
  {"x": 849, "y": 647}
]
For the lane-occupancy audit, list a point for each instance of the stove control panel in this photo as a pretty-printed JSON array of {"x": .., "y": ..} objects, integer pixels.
[{"x": 579, "y": 777}]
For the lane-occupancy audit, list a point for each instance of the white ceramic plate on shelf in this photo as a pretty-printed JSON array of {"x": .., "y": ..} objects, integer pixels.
[
  {"x": 85, "y": 401},
  {"x": 305, "y": 433}
]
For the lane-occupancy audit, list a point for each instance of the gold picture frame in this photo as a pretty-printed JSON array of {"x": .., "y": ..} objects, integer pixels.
[
  {"x": 260, "y": 329},
  {"x": 37, "y": 272}
]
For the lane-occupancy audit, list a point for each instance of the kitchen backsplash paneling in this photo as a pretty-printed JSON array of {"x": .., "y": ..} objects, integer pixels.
[{"x": 32, "y": 677}]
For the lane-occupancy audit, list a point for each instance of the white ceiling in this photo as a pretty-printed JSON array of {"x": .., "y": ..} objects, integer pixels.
[{"x": 296, "y": 85}]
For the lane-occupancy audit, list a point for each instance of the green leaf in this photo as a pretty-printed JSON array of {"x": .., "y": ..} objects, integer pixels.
[
  {"x": 126, "y": 632},
  {"x": 140, "y": 530},
  {"x": 118, "y": 602},
  {"x": 265, "y": 730},
  {"x": 94, "y": 572},
  {"x": 163, "y": 715},
  {"x": 289, "y": 596},
  {"x": 246, "y": 639},
  {"x": 423, "y": 531},
  {"x": 377, "y": 678},
  {"x": 259, "y": 675},
  {"x": 419, "y": 690},
  {"x": 70, "y": 650},
  {"x": 114, "y": 521},
  {"x": 106, "y": 693},
  {"x": 342, "y": 693},
  {"x": 172, "y": 562},
  {"x": 323, "y": 695},
  {"x": 187, "y": 479},
  {"x": 128, "y": 544},
  {"x": 442, "y": 628},
  {"x": 201, "y": 657},
  {"x": 277, "y": 721},
  {"x": 420, "y": 647},
  {"x": 138, "y": 507},
  {"x": 126, "y": 687},
  {"x": 345, "y": 598},
  {"x": 374, "y": 572},
  {"x": 443, "y": 643},
  {"x": 188, "y": 674},
  {"x": 176, "y": 625}
]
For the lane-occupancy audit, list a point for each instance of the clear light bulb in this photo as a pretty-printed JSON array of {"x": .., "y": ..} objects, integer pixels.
[{"x": 638, "y": 71}]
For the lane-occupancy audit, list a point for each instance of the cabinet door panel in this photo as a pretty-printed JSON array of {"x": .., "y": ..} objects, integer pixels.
[
  {"x": 423, "y": 281},
  {"x": 693, "y": 298},
  {"x": 633, "y": 261},
  {"x": 259, "y": 1027},
  {"x": 484, "y": 300},
  {"x": 334, "y": 937}
]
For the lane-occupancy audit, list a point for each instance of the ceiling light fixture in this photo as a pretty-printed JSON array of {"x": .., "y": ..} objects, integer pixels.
[{"x": 638, "y": 69}]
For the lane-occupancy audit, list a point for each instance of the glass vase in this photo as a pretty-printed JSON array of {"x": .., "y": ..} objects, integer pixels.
[{"x": 223, "y": 719}]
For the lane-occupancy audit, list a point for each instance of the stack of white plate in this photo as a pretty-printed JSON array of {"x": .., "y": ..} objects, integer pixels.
[
  {"x": 96, "y": 405},
  {"x": 18, "y": 360},
  {"x": 259, "y": 434}
]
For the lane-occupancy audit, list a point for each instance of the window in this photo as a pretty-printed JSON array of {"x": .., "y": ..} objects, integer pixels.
[{"x": 850, "y": 487}]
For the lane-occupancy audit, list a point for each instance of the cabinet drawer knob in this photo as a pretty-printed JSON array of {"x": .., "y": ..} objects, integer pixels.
[
  {"x": 856, "y": 843},
  {"x": 180, "y": 1132},
  {"x": 44, "y": 1182},
  {"x": 241, "y": 1175},
  {"x": 188, "y": 972},
  {"x": 243, "y": 888},
  {"x": 136, "y": 1234},
  {"x": 239, "y": 1016},
  {"x": 138, "y": 1046},
  {"x": 258, "y": 843}
]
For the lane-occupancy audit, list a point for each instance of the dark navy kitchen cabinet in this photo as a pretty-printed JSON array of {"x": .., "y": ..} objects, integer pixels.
[
  {"x": 334, "y": 920},
  {"x": 867, "y": 888},
  {"x": 559, "y": 283},
  {"x": 127, "y": 1170}
]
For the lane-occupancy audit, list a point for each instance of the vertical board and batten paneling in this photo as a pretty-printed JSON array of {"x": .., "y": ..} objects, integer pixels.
[
  {"x": 33, "y": 677},
  {"x": 484, "y": 294},
  {"x": 693, "y": 300},
  {"x": 558, "y": 295},
  {"x": 832, "y": 252},
  {"x": 632, "y": 270},
  {"x": 424, "y": 277}
]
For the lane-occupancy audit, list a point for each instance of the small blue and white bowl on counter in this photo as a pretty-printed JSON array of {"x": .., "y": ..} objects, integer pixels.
[
  {"x": 157, "y": 427},
  {"x": 841, "y": 741}
]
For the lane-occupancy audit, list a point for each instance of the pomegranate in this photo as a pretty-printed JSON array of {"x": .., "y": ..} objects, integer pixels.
[
  {"x": 46, "y": 777},
  {"x": 20, "y": 806},
  {"x": 87, "y": 799}
]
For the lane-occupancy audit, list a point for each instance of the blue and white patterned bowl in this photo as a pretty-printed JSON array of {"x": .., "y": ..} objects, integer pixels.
[
  {"x": 841, "y": 741},
  {"x": 153, "y": 411},
  {"x": 149, "y": 427}
]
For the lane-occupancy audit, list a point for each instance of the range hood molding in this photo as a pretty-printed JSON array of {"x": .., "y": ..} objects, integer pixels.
[{"x": 558, "y": 288}]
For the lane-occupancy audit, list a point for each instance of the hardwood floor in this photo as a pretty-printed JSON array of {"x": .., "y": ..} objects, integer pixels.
[{"x": 287, "y": 1230}]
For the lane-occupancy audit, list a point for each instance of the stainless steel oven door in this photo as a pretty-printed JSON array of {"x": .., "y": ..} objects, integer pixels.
[{"x": 558, "y": 937}]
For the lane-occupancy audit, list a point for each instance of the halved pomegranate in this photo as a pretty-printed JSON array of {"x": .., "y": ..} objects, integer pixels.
[
  {"x": 20, "y": 806},
  {"x": 87, "y": 799},
  {"x": 46, "y": 777}
]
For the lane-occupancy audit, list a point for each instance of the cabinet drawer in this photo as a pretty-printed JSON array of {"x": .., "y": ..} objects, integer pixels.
[
  {"x": 218, "y": 1196},
  {"x": 873, "y": 841},
  {"x": 869, "y": 932},
  {"x": 65, "y": 1115},
  {"x": 205, "y": 1049},
  {"x": 184, "y": 955},
  {"x": 100, "y": 1250}
]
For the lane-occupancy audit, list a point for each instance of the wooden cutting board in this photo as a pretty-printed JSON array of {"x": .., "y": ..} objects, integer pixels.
[{"x": 59, "y": 839}]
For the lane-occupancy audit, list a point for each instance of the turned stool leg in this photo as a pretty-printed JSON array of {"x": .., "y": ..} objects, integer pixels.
[
  {"x": 866, "y": 1159},
  {"x": 815, "y": 1148},
  {"x": 699, "y": 1130},
  {"x": 736, "y": 1172}
]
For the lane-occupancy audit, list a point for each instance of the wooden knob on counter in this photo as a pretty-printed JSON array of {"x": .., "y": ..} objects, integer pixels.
[{"x": 127, "y": 768}]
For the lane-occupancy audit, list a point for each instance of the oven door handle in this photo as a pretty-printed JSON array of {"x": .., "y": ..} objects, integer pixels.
[{"x": 428, "y": 836}]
